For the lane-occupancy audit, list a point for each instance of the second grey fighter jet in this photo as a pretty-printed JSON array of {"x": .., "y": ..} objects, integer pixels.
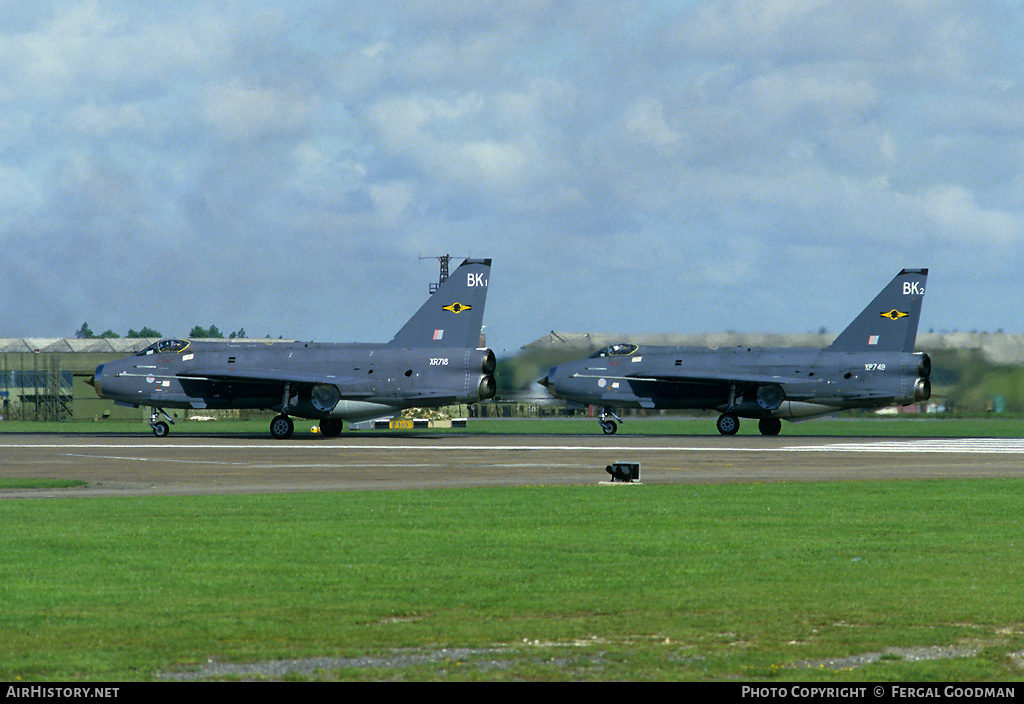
[
  {"x": 436, "y": 359},
  {"x": 871, "y": 364}
]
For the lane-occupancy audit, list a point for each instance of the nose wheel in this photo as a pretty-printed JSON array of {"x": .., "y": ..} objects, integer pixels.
[
  {"x": 608, "y": 425},
  {"x": 160, "y": 428}
]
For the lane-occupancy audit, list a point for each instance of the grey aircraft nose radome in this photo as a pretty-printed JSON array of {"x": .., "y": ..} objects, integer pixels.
[
  {"x": 436, "y": 359},
  {"x": 871, "y": 364}
]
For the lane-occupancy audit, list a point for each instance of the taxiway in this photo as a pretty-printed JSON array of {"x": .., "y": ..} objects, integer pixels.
[{"x": 128, "y": 465}]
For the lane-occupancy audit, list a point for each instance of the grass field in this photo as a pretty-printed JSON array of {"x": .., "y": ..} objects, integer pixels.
[
  {"x": 901, "y": 581},
  {"x": 756, "y": 582},
  {"x": 909, "y": 426}
]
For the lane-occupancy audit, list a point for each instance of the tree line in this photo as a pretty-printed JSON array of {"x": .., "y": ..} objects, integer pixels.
[{"x": 198, "y": 331}]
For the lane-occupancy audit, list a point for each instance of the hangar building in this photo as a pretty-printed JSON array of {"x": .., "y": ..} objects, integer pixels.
[{"x": 48, "y": 378}]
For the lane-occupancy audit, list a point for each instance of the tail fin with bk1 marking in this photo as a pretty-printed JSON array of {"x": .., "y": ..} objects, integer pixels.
[{"x": 454, "y": 313}]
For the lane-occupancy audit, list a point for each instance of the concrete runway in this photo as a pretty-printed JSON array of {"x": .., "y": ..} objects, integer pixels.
[{"x": 142, "y": 465}]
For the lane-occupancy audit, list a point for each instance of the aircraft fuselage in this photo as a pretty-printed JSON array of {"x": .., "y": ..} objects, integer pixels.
[
  {"x": 749, "y": 382},
  {"x": 870, "y": 364},
  {"x": 436, "y": 358},
  {"x": 346, "y": 381}
]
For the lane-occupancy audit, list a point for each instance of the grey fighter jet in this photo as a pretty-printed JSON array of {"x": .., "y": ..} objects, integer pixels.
[
  {"x": 436, "y": 359},
  {"x": 871, "y": 364}
]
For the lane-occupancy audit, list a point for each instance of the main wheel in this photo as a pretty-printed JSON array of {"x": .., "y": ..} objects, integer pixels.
[
  {"x": 161, "y": 429},
  {"x": 609, "y": 427},
  {"x": 330, "y": 427},
  {"x": 281, "y": 428},
  {"x": 728, "y": 424},
  {"x": 769, "y": 426}
]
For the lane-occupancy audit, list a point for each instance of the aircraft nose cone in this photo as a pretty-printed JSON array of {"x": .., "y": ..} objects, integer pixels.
[
  {"x": 548, "y": 381},
  {"x": 94, "y": 380}
]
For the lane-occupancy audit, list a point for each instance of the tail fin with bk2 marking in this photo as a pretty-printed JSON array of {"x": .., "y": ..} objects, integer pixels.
[{"x": 889, "y": 323}]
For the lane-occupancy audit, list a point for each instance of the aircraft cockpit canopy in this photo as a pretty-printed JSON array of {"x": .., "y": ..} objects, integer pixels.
[
  {"x": 618, "y": 350},
  {"x": 164, "y": 347}
]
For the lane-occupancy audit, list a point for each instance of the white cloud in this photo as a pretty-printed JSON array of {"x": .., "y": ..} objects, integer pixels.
[
  {"x": 708, "y": 145},
  {"x": 392, "y": 199},
  {"x": 646, "y": 119},
  {"x": 96, "y": 121},
  {"x": 450, "y": 139},
  {"x": 246, "y": 113},
  {"x": 97, "y": 49},
  {"x": 959, "y": 217},
  {"x": 20, "y": 197}
]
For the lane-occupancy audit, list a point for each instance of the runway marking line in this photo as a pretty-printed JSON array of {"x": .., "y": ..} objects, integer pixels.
[
  {"x": 1002, "y": 446},
  {"x": 248, "y": 465},
  {"x": 940, "y": 445}
]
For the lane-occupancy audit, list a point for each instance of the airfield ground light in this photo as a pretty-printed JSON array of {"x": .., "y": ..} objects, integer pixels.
[{"x": 624, "y": 472}]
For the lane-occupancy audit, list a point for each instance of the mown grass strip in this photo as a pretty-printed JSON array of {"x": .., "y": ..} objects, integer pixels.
[
  {"x": 648, "y": 582},
  {"x": 30, "y": 483},
  {"x": 909, "y": 426}
]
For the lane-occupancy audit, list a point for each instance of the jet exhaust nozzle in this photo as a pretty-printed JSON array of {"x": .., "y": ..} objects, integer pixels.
[
  {"x": 924, "y": 366},
  {"x": 487, "y": 388},
  {"x": 489, "y": 364},
  {"x": 922, "y": 390}
]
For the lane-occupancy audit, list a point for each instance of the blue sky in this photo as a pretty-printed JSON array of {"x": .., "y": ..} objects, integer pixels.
[{"x": 282, "y": 167}]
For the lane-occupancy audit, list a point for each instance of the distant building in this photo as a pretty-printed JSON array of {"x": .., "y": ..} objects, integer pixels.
[{"x": 48, "y": 378}]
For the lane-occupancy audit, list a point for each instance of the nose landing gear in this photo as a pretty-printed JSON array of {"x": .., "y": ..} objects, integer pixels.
[
  {"x": 160, "y": 428},
  {"x": 607, "y": 424}
]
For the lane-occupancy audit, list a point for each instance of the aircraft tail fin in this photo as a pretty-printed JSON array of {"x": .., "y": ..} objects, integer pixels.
[
  {"x": 889, "y": 323},
  {"x": 453, "y": 315}
]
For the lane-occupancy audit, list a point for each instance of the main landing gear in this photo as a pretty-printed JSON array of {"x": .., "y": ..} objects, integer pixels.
[
  {"x": 729, "y": 424},
  {"x": 282, "y": 427},
  {"x": 330, "y": 427}
]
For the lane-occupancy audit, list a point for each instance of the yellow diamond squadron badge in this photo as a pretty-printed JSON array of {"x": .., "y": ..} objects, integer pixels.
[
  {"x": 458, "y": 308},
  {"x": 895, "y": 314}
]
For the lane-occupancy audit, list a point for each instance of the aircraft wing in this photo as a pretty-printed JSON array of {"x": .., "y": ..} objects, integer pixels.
[
  {"x": 270, "y": 376},
  {"x": 796, "y": 387},
  {"x": 347, "y": 385},
  {"x": 435, "y": 395}
]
